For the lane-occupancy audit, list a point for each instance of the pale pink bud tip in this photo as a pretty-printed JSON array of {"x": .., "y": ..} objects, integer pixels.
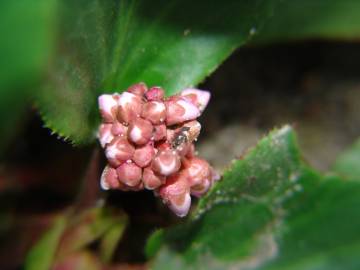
[
  {"x": 109, "y": 179},
  {"x": 179, "y": 110},
  {"x": 105, "y": 135},
  {"x": 199, "y": 174},
  {"x": 166, "y": 162},
  {"x": 129, "y": 107},
  {"x": 118, "y": 151},
  {"x": 138, "y": 89},
  {"x": 155, "y": 93},
  {"x": 143, "y": 155},
  {"x": 151, "y": 180},
  {"x": 140, "y": 131},
  {"x": 175, "y": 194},
  {"x": 154, "y": 111},
  {"x": 107, "y": 107},
  {"x": 198, "y": 97},
  {"x": 129, "y": 174}
]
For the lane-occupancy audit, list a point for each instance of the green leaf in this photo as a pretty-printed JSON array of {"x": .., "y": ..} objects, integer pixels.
[
  {"x": 42, "y": 254},
  {"x": 299, "y": 19},
  {"x": 268, "y": 212},
  {"x": 72, "y": 234},
  {"x": 105, "y": 46},
  {"x": 347, "y": 164}
]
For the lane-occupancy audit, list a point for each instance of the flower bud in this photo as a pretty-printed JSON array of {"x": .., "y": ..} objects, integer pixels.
[
  {"x": 152, "y": 180},
  {"x": 107, "y": 107},
  {"x": 118, "y": 129},
  {"x": 159, "y": 132},
  {"x": 154, "y": 111},
  {"x": 166, "y": 162},
  {"x": 129, "y": 107},
  {"x": 179, "y": 110},
  {"x": 196, "y": 170},
  {"x": 129, "y": 174},
  {"x": 175, "y": 193},
  {"x": 109, "y": 179},
  {"x": 140, "y": 131},
  {"x": 199, "y": 98},
  {"x": 105, "y": 135},
  {"x": 144, "y": 155},
  {"x": 138, "y": 89},
  {"x": 155, "y": 94},
  {"x": 200, "y": 189},
  {"x": 118, "y": 151}
]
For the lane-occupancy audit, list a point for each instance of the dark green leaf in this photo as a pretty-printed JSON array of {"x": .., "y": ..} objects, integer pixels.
[{"x": 268, "y": 212}]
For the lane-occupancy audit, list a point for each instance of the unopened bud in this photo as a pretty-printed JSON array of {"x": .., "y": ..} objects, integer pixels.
[
  {"x": 109, "y": 179},
  {"x": 198, "y": 97},
  {"x": 152, "y": 180},
  {"x": 175, "y": 193},
  {"x": 105, "y": 135},
  {"x": 130, "y": 107},
  {"x": 108, "y": 107},
  {"x": 199, "y": 175},
  {"x": 129, "y": 174},
  {"x": 118, "y": 151},
  {"x": 138, "y": 89},
  {"x": 155, "y": 93},
  {"x": 118, "y": 129},
  {"x": 179, "y": 110},
  {"x": 144, "y": 155},
  {"x": 140, "y": 131},
  {"x": 166, "y": 162},
  {"x": 154, "y": 111},
  {"x": 159, "y": 132}
]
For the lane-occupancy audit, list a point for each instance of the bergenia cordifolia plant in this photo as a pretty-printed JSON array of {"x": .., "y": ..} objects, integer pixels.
[{"x": 149, "y": 143}]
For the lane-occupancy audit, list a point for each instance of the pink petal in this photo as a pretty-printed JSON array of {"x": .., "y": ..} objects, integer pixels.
[
  {"x": 144, "y": 155},
  {"x": 138, "y": 89},
  {"x": 152, "y": 180},
  {"x": 154, "y": 111},
  {"x": 175, "y": 194},
  {"x": 155, "y": 93},
  {"x": 166, "y": 162},
  {"x": 140, "y": 131},
  {"x": 105, "y": 135},
  {"x": 107, "y": 107},
  {"x": 198, "y": 97},
  {"x": 179, "y": 110},
  {"x": 109, "y": 179},
  {"x": 119, "y": 151},
  {"x": 129, "y": 174},
  {"x": 130, "y": 107}
]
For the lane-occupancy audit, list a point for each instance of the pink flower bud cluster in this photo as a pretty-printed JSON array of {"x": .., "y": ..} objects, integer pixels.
[{"x": 148, "y": 141}]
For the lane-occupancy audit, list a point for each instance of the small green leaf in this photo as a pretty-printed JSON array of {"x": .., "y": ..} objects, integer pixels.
[
  {"x": 72, "y": 233},
  {"x": 268, "y": 212},
  {"x": 41, "y": 256},
  {"x": 110, "y": 240},
  {"x": 347, "y": 164}
]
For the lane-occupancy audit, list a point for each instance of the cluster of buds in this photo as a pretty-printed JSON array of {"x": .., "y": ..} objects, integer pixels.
[{"x": 149, "y": 143}]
